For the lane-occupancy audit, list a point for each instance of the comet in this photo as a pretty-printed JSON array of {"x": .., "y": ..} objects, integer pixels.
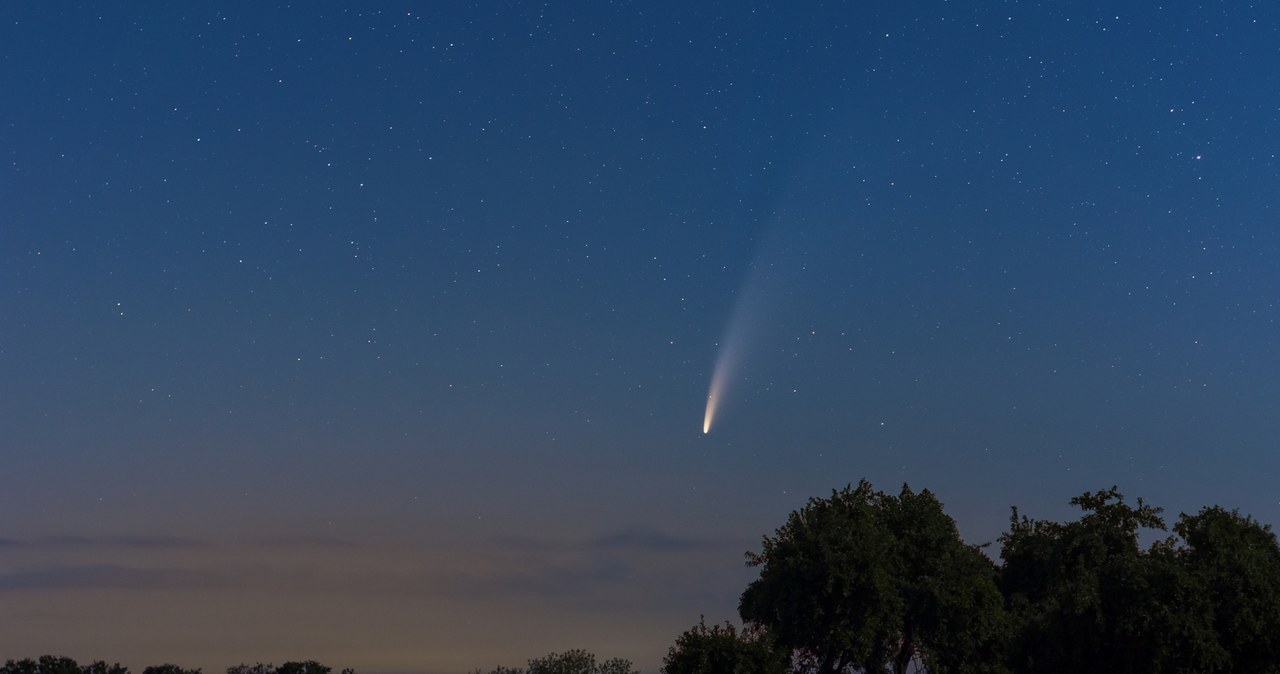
[
  {"x": 719, "y": 376},
  {"x": 783, "y": 253},
  {"x": 756, "y": 298}
]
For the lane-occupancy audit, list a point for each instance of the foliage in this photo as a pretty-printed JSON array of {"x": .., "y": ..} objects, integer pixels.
[
  {"x": 864, "y": 581},
  {"x": 616, "y": 666},
  {"x": 575, "y": 661},
  {"x": 871, "y": 581},
  {"x": 1087, "y": 597},
  {"x": 1076, "y": 588},
  {"x": 169, "y": 669},
  {"x": 725, "y": 650},
  {"x": 47, "y": 664},
  {"x": 292, "y": 667},
  {"x": 54, "y": 664},
  {"x": 1236, "y": 563},
  {"x": 307, "y": 667},
  {"x": 100, "y": 667}
]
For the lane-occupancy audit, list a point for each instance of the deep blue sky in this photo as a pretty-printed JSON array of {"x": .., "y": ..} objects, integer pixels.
[{"x": 380, "y": 333}]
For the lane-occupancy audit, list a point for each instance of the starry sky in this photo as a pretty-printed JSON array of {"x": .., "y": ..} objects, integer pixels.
[{"x": 381, "y": 333}]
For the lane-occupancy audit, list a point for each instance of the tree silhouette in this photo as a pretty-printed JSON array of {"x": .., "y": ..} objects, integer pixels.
[
  {"x": 1236, "y": 562},
  {"x": 46, "y": 664},
  {"x": 100, "y": 667},
  {"x": 169, "y": 669},
  {"x": 870, "y": 581},
  {"x": 1087, "y": 597},
  {"x": 724, "y": 650},
  {"x": 575, "y": 661}
]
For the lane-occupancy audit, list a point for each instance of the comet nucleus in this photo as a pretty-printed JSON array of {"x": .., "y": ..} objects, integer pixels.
[{"x": 713, "y": 396}]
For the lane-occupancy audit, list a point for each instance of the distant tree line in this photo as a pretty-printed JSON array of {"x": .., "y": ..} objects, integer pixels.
[
  {"x": 56, "y": 664},
  {"x": 576, "y": 661},
  {"x": 866, "y": 581}
]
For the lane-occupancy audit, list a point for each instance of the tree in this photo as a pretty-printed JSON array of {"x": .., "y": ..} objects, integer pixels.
[
  {"x": 616, "y": 666},
  {"x": 1086, "y": 597},
  {"x": 953, "y": 612},
  {"x": 575, "y": 661},
  {"x": 501, "y": 670},
  {"x": 169, "y": 669},
  {"x": 870, "y": 581},
  {"x": 23, "y": 666},
  {"x": 292, "y": 667},
  {"x": 47, "y": 664},
  {"x": 307, "y": 667},
  {"x": 100, "y": 667},
  {"x": 725, "y": 650},
  {"x": 1237, "y": 563}
]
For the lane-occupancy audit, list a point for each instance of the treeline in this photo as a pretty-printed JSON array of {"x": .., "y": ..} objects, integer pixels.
[
  {"x": 866, "y": 581},
  {"x": 56, "y": 664},
  {"x": 576, "y": 661}
]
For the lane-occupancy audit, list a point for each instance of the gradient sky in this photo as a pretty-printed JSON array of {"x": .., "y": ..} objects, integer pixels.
[{"x": 380, "y": 333}]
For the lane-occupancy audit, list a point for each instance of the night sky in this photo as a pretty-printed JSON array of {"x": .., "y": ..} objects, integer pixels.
[{"x": 381, "y": 333}]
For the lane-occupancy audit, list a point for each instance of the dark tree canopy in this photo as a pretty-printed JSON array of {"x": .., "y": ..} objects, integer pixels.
[
  {"x": 56, "y": 664},
  {"x": 50, "y": 664},
  {"x": 870, "y": 581},
  {"x": 724, "y": 650},
  {"x": 305, "y": 667},
  {"x": 574, "y": 661},
  {"x": 46, "y": 664},
  {"x": 864, "y": 581},
  {"x": 1087, "y": 597},
  {"x": 291, "y": 667},
  {"x": 100, "y": 667},
  {"x": 1236, "y": 563},
  {"x": 169, "y": 669}
]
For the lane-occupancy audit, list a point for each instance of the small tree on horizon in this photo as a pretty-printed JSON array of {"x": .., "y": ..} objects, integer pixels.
[
  {"x": 723, "y": 649},
  {"x": 573, "y": 661},
  {"x": 169, "y": 668}
]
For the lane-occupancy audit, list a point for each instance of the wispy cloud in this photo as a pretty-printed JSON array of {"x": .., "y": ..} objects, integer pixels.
[
  {"x": 106, "y": 576},
  {"x": 651, "y": 540},
  {"x": 123, "y": 541},
  {"x": 126, "y": 542},
  {"x": 638, "y": 540},
  {"x": 549, "y": 581},
  {"x": 631, "y": 566},
  {"x": 306, "y": 541},
  {"x": 119, "y": 541}
]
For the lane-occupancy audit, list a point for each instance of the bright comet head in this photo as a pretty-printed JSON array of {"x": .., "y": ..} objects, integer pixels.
[{"x": 718, "y": 378}]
